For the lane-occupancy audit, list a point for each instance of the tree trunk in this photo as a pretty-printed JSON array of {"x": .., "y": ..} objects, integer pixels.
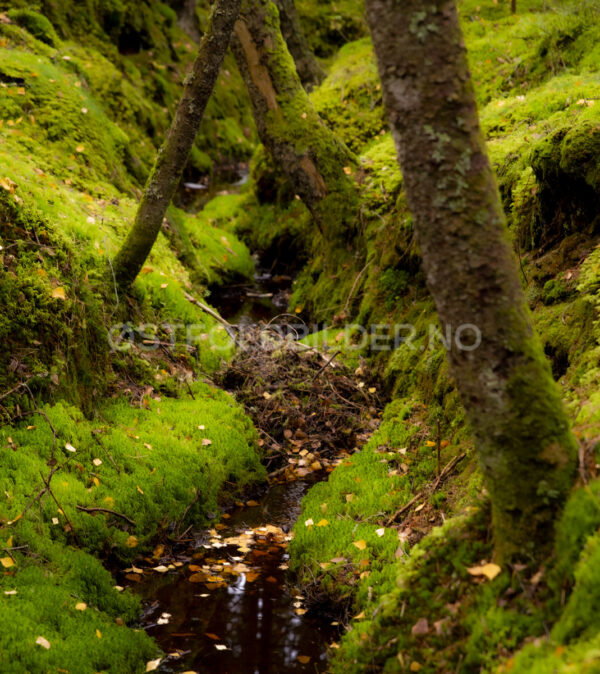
[
  {"x": 513, "y": 6},
  {"x": 174, "y": 153},
  {"x": 309, "y": 154},
  {"x": 309, "y": 70},
  {"x": 526, "y": 449}
]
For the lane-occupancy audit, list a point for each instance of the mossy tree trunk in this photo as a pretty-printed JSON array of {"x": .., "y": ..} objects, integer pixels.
[
  {"x": 526, "y": 449},
  {"x": 173, "y": 155},
  {"x": 308, "y": 67},
  {"x": 308, "y": 153}
]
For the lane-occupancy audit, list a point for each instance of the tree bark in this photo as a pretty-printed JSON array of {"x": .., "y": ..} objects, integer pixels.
[
  {"x": 174, "y": 153},
  {"x": 309, "y": 70},
  {"x": 308, "y": 153},
  {"x": 526, "y": 449}
]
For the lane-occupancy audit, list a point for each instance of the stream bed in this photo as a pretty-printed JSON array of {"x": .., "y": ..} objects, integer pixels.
[
  {"x": 224, "y": 602},
  {"x": 245, "y": 616}
]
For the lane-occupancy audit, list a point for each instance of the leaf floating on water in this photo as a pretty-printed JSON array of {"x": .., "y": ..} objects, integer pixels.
[
  {"x": 304, "y": 659},
  {"x": 490, "y": 571},
  {"x": 197, "y": 578},
  {"x": 251, "y": 576},
  {"x": 44, "y": 643},
  {"x": 161, "y": 568},
  {"x": 153, "y": 665},
  {"x": 212, "y": 636},
  {"x": 252, "y": 504},
  {"x": 221, "y": 647}
]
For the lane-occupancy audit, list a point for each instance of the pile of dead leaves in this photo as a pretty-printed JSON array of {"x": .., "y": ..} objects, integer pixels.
[{"x": 309, "y": 408}]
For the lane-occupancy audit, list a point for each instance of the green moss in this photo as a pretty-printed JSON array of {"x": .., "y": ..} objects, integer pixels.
[
  {"x": 36, "y": 24},
  {"x": 349, "y": 99},
  {"x": 148, "y": 463}
]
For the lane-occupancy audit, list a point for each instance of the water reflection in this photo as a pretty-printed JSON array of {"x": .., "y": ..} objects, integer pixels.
[{"x": 256, "y": 621}]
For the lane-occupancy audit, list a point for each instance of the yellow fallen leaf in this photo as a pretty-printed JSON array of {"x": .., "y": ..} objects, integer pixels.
[
  {"x": 430, "y": 443},
  {"x": 7, "y": 562},
  {"x": 361, "y": 545},
  {"x": 44, "y": 643},
  {"x": 360, "y": 616},
  {"x": 152, "y": 665},
  {"x": 322, "y": 523},
  {"x": 80, "y": 149},
  {"x": 59, "y": 293},
  {"x": 490, "y": 570},
  {"x": 99, "y": 634},
  {"x": 139, "y": 489},
  {"x": 131, "y": 542},
  {"x": 80, "y": 606},
  {"x": 309, "y": 522}
]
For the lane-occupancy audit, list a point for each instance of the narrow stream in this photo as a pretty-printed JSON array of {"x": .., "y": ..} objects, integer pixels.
[{"x": 226, "y": 603}]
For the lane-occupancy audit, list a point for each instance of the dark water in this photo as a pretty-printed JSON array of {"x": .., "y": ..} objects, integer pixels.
[
  {"x": 262, "y": 300},
  {"x": 256, "y": 621}
]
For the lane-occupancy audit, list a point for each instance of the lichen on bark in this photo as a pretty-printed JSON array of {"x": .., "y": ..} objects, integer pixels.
[
  {"x": 526, "y": 448},
  {"x": 173, "y": 154}
]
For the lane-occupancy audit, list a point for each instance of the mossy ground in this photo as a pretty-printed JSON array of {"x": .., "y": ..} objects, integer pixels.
[
  {"x": 85, "y": 97},
  {"x": 536, "y": 76}
]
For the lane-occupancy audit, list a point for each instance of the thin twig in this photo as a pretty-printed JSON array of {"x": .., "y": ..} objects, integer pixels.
[
  {"x": 95, "y": 435},
  {"x": 337, "y": 353},
  {"x": 91, "y": 511}
]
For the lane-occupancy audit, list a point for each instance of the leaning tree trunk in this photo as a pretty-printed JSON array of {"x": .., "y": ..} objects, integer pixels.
[
  {"x": 173, "y": 155},
  {"x": 309, "y": 70},
  {"x": 526, "y": 449},
  {"x": 308, "y": 153}
]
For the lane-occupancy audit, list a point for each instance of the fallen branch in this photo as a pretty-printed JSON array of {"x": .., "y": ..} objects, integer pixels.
[
  {"x": 337, "y": 353},
  {"x": 228, "y": 327},
  {"x": 448, "y": 469},
  {"x": 91, "y": 511},
  {"x": 445, "y": 472},
  {"x": 404, "y": 508}
]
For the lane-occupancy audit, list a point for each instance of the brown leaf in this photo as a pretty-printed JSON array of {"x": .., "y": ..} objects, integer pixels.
[{"x": 420, "y": 628}]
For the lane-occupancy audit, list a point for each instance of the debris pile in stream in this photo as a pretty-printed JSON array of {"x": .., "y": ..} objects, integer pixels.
[{"x": 309, "y": 408}]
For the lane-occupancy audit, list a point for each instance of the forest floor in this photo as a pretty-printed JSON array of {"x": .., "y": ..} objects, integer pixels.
[{"x": 121, "y": 446}]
